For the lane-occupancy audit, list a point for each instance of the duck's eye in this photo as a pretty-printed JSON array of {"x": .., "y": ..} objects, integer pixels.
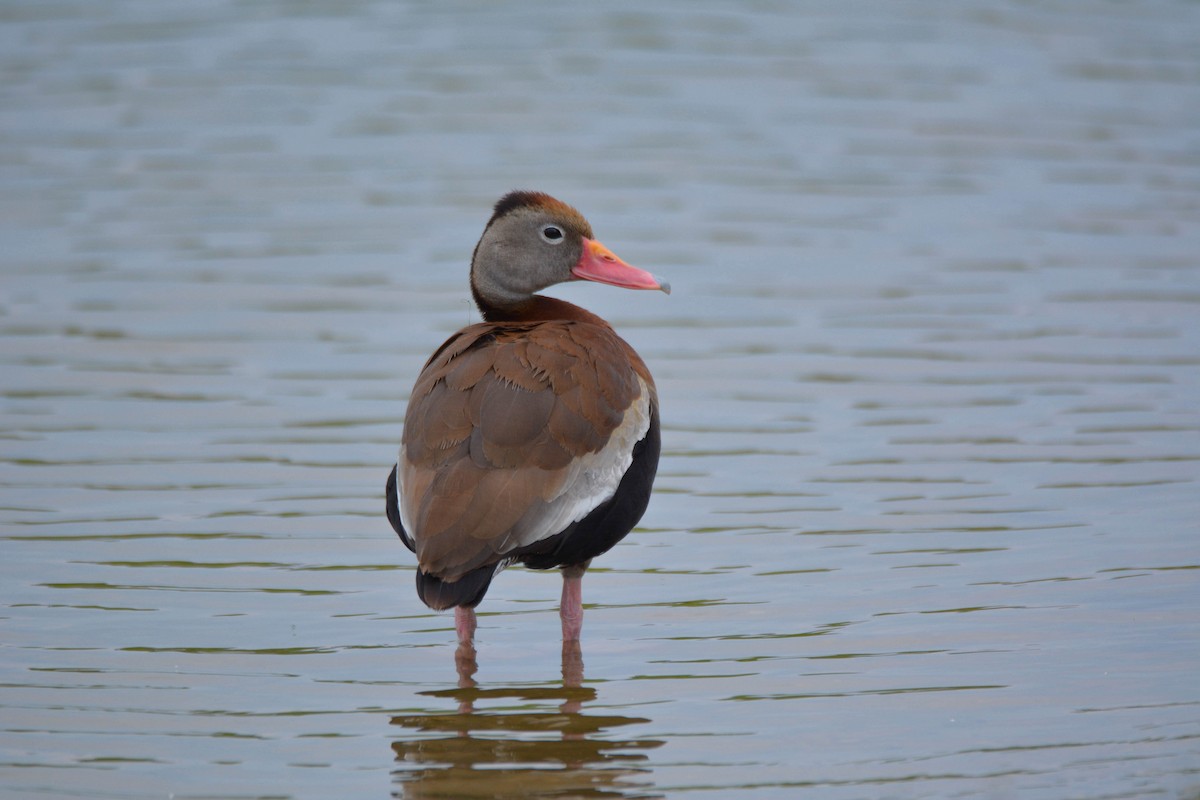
[{"x": 552, "y": 234}]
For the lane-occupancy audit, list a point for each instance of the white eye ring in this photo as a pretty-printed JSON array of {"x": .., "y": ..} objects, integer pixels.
[{"x": 552, "y": 234}]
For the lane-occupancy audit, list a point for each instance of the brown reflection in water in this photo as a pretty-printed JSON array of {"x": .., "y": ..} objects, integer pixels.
[{"x": 542, "y": 745}]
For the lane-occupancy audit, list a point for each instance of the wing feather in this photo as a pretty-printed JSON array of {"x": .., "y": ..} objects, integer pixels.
[{"x": 513, "y": 432}]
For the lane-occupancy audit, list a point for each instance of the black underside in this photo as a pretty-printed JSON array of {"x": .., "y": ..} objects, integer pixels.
[
  {"x": 579, "y": 542},
  {"x": 610, "y": 521},
  {"x": 393, "y": 511}
]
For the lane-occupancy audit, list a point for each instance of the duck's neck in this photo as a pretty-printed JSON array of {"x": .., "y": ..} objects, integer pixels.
[{"x": 537, "y": 308}]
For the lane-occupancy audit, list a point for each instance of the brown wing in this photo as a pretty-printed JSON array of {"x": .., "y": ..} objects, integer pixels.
[{"x": 510, "y": 430}]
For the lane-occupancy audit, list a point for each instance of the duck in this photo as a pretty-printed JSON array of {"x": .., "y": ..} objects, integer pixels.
[{"x": 533, "y": 436}]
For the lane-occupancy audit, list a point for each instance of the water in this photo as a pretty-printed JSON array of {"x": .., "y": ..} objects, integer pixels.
[{"x": 925, "y": 524}]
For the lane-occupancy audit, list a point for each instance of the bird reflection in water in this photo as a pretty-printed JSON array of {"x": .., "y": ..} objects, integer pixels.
[{"x": 529, "y": 741}]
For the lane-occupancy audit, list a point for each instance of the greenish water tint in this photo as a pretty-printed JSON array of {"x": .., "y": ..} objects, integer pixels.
[{"x": 926, "y": 519}]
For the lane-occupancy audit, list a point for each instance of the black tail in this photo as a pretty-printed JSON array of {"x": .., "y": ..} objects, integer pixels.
[
  {"x": 466, "y": 591},
  {"x": 434, "y": 592}
]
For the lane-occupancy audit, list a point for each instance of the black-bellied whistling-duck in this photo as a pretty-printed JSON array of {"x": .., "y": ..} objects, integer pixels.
[{"x": 532, "y": 436}]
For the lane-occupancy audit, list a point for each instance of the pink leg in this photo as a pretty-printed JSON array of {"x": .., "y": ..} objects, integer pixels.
[
  {"x": 464, "y": 623},
  {"x": 467, "y": 665},
  {"x": 570, "y": 609}
]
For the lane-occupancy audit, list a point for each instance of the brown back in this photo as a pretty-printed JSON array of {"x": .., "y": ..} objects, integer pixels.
[{"x": 498, "y": 423}]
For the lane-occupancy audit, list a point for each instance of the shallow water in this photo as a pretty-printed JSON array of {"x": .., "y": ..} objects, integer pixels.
[{"x": 925, "y": 524}]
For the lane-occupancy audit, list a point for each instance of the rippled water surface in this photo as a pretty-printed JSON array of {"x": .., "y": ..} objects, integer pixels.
[{"x": 926, "y": 520}]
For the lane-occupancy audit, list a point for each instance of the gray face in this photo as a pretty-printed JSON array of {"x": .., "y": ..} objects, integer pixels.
[{"x": 524, "y": 251}]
